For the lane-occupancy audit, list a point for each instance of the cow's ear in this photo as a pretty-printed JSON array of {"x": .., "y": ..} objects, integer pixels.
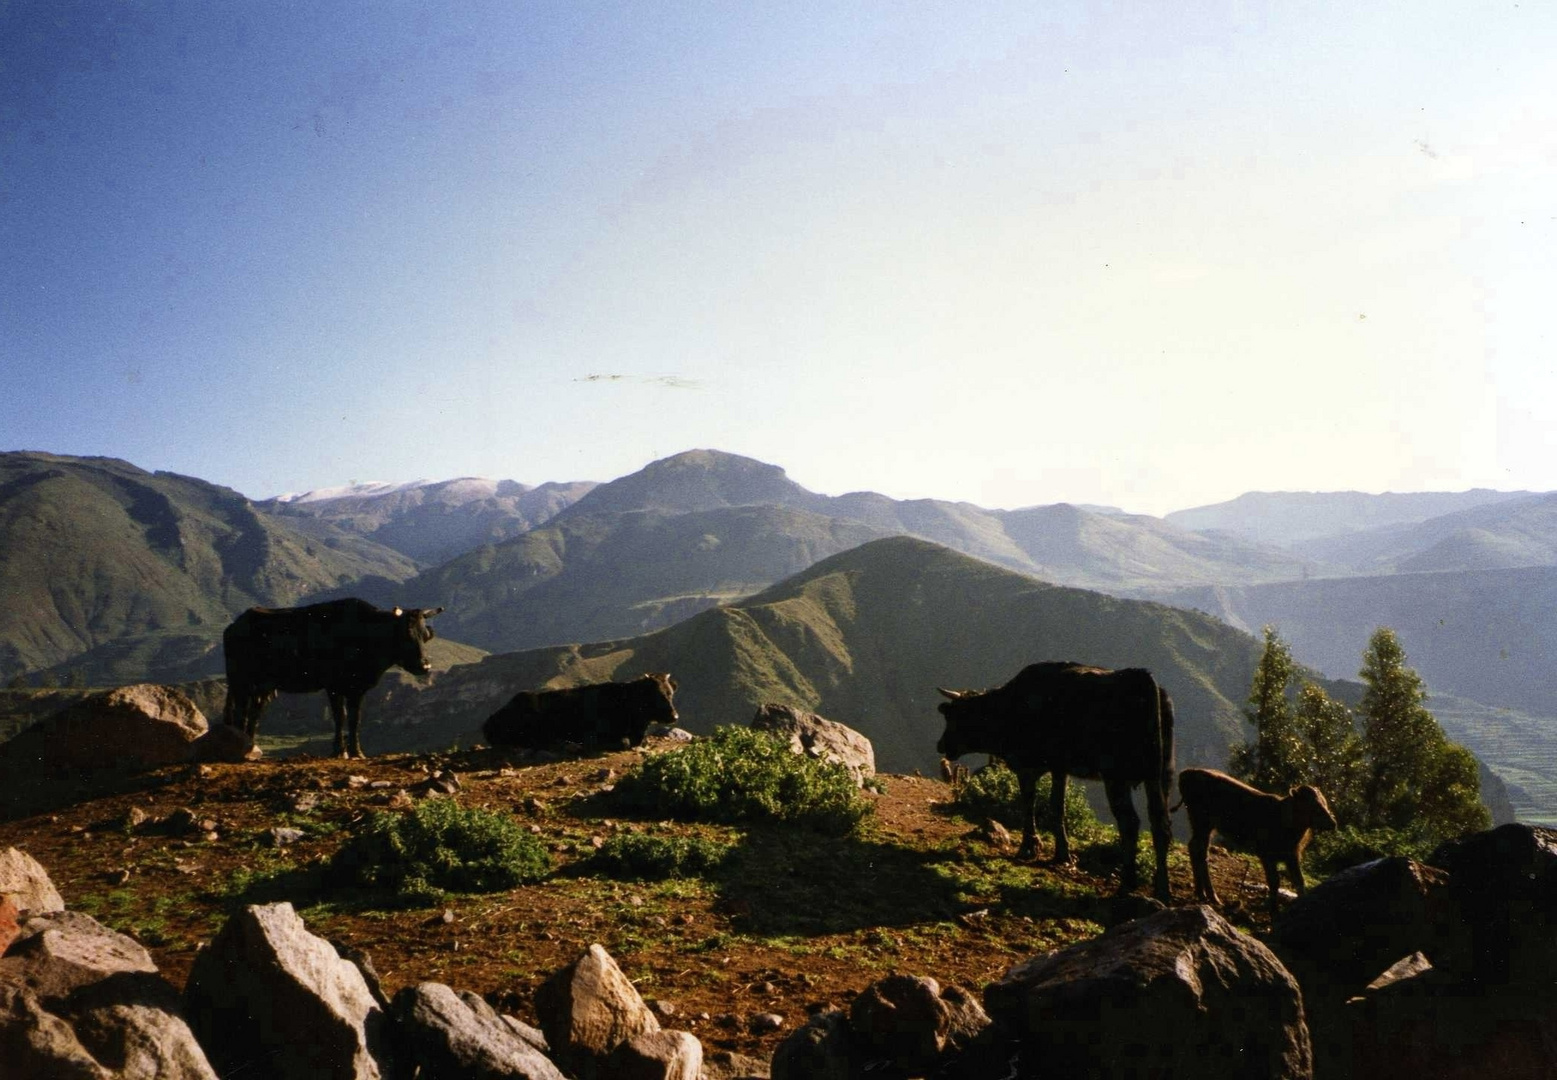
[{"x": 953, "y": 695}]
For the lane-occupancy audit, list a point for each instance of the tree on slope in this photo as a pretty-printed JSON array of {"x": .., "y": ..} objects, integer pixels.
[
  {"x": 1336, "y": 762},
  {"x": 1274, "y": 759},
  {"x": 1418, "y": 780}
]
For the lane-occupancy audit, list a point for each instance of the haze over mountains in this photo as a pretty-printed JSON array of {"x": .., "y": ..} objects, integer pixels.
[{"x": 110, "y": 574}]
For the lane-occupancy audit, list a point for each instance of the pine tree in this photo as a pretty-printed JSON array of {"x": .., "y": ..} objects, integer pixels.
[
  {"x": 1274, "y": 760},
  {"x": 1335, "y": 761},
  {"x": 1417, "y": 779}
]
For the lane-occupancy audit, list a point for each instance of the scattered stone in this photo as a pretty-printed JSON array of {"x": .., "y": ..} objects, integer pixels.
[
  {"x": 355, "y": 781},
  {"x": 134, "y": 818},
  {"x": 283, "y": 835},
  {"x": 662, "y": 1009},
  {"x": 305, "y": 802},
  {"x": 180, "y": 822},
  {"x": 765, "y": 1023},
  {"x": 910, "y": 1022}
]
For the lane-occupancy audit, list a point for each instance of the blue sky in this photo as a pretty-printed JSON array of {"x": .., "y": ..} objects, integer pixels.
[{"x": 1010, "y": 254}]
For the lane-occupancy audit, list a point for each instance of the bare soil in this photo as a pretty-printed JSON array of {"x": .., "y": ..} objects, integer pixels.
[{"x": 794, "y": 922}]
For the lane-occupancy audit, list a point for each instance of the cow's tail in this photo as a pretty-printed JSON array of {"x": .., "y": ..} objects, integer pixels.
[{"x": 1169, "y": 759}]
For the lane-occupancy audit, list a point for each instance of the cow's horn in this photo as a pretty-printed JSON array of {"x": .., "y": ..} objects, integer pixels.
[
  {"x": 428, "y": 613},
  {"x": 952, "y": 694}
]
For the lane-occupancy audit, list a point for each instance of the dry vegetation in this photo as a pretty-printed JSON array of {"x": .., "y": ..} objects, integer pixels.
[{"x": 792, "y": 921}]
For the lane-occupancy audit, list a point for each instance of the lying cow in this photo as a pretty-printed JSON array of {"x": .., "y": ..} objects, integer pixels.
[
  {"x": 601, "y": 716},
  {"x": 1067, "y": 719},
  {"x": 1277, "y": 829},
  {"x": 342, "y": 647}
]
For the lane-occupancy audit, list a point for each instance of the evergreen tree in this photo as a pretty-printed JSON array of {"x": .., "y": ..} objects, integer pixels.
[
  {"x": 1417, "y": 779},
  {"x": 1274, "y": 759},
  {"x": 1335, "y": 761}
]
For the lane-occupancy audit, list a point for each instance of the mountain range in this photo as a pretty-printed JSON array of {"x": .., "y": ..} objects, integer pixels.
[{"x": 109, "y": 573}]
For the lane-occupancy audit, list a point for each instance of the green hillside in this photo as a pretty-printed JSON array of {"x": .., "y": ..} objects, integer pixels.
[
  {"x": 864, "y": 637},
  {"x": 591, "y": 577},
  {"x": 96, "y": 551}
]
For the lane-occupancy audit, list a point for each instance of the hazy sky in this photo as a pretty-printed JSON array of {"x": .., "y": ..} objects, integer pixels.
[{"x": 1012, "y": 254}]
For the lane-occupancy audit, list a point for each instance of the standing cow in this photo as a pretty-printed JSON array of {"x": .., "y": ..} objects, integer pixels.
[
  {"x": 1066, "y": 719},
  {"x": 342, "y": 647},
  {"x": 596, "y": 716}
]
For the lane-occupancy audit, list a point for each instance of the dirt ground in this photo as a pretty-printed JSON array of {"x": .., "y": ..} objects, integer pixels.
[{"x": 795, "y": 923}]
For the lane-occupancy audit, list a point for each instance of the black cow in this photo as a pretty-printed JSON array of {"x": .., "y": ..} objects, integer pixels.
[
  {"x": 597, "y": 716},
  {"x": 1067, "y": 719},
  {"x": 342, "y": 647}
]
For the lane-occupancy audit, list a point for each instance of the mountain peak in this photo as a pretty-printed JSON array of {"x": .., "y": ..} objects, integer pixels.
[{"x": 697, "y": 480}]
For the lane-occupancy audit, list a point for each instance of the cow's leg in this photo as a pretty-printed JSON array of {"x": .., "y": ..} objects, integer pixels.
[
  {"x": 338, "y": 714},
  {"x": 1272, "y": 879},
  {"x": 1199, "y": 846},
  {"x": 1162, "y": 837},
  {"x": 1129, "y": 822},
  {"x": 1057, "y": 781},
  {"x": 1295, "y": 868},
  {"x": 354, "y": 724},
  {"x": 1027, "y": 784}
]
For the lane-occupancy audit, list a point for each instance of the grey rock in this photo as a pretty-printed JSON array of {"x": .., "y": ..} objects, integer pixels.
[
  {"x": 656, "y": 1055},
  {"x": 589, "y": 1008},
  {"x": 270, "y": 997},
  {"x": 1181, "y": 993},
  {"x": 27, "y": 883},
  {"x": 820, "y": 738},
  {"x": 822, "y": 1049},
  {"x": 449, "y": 1036}
]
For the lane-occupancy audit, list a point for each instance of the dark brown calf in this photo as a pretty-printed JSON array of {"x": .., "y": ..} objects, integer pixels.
[{"x": 1277, "y": 829}]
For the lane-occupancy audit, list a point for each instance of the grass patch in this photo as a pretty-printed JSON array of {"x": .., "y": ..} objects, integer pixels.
[
  {"x": 440, "y": 846},
  {"x": 741, "y": 775}
]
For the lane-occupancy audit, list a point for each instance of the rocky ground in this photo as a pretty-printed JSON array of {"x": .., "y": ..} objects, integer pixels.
[{"x": 792, "y": 923}]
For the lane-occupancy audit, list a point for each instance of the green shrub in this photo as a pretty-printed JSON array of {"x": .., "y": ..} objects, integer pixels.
[
  {"x": 1331, "y": 852},
  {"x": 741, "y": 775},
  {"x": 440, "y": 845},
  {"x": 993, "y": 792},
  {"x": 654, "y": 858}
]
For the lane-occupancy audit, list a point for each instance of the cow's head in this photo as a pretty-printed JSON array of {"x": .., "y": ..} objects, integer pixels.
[
  {"x": 1312, "y": 805},
  {"x": 654, "y": 703},
  {"x": 964, "y": 723},
  {"x": 410, "y": 640}
]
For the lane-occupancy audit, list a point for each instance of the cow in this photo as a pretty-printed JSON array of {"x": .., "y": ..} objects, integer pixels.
[
  {"x": 593, "y": 717},
  {"x": 1276, "y": 828},
  {"x": 1067, "y": 719},
  {"x": 342, "y": 647}
]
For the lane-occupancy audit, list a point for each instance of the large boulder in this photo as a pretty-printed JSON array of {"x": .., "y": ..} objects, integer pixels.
[
  {"x": 444, "y": 1035},
  {"x": 128, "y": 728},
  {"x": 1347, "y": 930},
  {"x": 1180, "y": 993},
  {"x": 1434, "y": 1024},
  {"x": 588, "y": 1009},
  {"x": 268, "y": 998},
  {"x": 656, "y": 1055},
  {"x": 1505, "y": 883},
  {"x": 26, "y": 884},
  {"x": 820, "y": 738},
  {"x": 79, "y": 999}
]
